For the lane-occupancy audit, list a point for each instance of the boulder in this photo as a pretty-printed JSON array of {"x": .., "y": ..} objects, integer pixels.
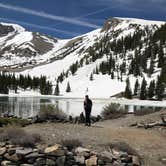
[{"x": 92, "y": 161}]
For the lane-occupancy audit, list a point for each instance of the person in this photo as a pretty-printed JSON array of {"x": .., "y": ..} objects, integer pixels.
[{"x": 87, "y": 108}]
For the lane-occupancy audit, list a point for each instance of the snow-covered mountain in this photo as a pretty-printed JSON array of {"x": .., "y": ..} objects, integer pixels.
[{"x": 118, "y": 43}]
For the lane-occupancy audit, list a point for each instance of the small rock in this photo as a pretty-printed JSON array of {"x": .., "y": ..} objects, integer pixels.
[
  {"x": 34, "y": 155},
  {"x": 2, "y": 144},
  {"x": 52, "y": 149},
  {"x": 12, "y": 150},
  {"x": 79, "y": 159},
  {"x": 6, "y": 163},
  {"x": 106, "y": 156},
  {"x": 92, "y": 161},
  {"x": 81, "y": 150},
  {"x": 60, "y": 161},
  {"x": 13, "y": 157},
  {"x": 40, "y": 162},
  {"x": 2, "y": 151},
  {"x": 24, "y": 151},
  {"x": 101, "y": 162},
  {"x": 50, "y": 162},
  {"x": 136, "y": 161}
]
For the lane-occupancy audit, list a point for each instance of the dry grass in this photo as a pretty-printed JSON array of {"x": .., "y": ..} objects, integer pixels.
[
  {"x": 71, "y": 143},
  {"x": 18, "y": 136}
]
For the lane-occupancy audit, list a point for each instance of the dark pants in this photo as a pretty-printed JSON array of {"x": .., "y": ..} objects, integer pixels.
[{"x": 87, "y": 117}]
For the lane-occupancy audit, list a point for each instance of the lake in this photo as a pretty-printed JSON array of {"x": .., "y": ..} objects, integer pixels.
[{"x": 30, "y": 106}]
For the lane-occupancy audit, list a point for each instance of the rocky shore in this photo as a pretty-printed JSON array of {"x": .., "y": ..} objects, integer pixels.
[{"x": 58, "y": 155}]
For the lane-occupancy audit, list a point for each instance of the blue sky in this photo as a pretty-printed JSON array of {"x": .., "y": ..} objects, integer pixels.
[{"x": 69, "y": 18}]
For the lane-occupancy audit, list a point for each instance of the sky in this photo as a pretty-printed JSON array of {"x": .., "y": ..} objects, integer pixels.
[{"x": 69, "y": 18}]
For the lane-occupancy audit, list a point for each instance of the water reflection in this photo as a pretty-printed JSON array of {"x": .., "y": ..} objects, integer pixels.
[{"x": 29, "y": 106}]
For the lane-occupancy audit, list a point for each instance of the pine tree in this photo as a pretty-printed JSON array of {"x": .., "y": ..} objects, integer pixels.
[
  {"x": 143, "y": 93},
  {"x": 151, "y": 89},
  {"x": 151, "y": 68},
  {"x": 128, "y": 92},
  {"x": 57, "y": 91},
  {"x": 136, "y": 87},
  {"x": 91, "y": 77},
  {"x": 68, "y": 89},
  {"x": 160, "y": 88}
]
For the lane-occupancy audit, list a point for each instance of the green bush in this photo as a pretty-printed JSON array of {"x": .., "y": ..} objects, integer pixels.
[
  {"x": 4, "y": 121},
  {"x": 18, "y": 136},
  {"x": 71, "y": 143},
  {"x": 113, "y": 111},
  {"x": 50, "y": 112}
]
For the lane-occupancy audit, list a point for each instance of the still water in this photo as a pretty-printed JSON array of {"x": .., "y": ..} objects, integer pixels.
[{"x": 30, "y": 106}]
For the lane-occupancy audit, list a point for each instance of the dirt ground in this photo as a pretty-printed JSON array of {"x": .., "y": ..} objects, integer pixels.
[{"x": 150, "y": 143}]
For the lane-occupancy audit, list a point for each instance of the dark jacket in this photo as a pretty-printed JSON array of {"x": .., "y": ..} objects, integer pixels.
[{"x": 88, "y": 105}]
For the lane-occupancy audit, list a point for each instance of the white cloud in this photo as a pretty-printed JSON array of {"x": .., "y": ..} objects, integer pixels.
[
  {"x": 47, "y": 15},
  {"x": 40, "y": 27}
]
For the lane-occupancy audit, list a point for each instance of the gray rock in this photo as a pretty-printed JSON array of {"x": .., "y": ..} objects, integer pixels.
[
  {"x": 106, "y": 156},
  {"x": 136, "y": 161},
  {"x": 79, "y": 159},
  {"x": 34, "y": 155},
  {"x": 24, "y": 151},
  {"x": 50, "y": 162},
  {"x": 60, "y": 161},
  {"x": 13, "y": 157},
  {"x": 40, "y": 162},
  {"x": 11, "y": 151}
]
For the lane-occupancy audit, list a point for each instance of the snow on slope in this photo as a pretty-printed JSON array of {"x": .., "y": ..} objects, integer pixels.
[{"x": 102, "y": 86}]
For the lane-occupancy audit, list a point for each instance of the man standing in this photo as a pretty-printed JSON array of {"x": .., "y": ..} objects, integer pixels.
[{"x": 87, "y": 108}]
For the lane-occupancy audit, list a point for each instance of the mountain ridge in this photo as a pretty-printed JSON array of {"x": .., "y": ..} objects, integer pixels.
[{"x": 119, "y": 40}]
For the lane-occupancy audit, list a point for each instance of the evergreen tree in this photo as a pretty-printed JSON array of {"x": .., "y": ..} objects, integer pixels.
[
  {"x": 128, "y": 92},
  {"x": 136, "y": 87},
  {"x": 57, "y": 91},
  {"x": 91, "y": 77},
  {"x": 151, "y": 89},
  {"x": 160, "y": 88},
  {"x": 143, "y": 93},
  {"x": 68, "y": 89}
]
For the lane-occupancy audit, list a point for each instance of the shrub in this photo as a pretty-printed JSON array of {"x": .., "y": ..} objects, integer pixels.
[
  {"x": 18, "y": 136},
  {"x": 4, "y": 121},
  {"x": 71, "y": 143},
  {"x": 50, "y": 112},
  {"x": 124, "y": 147},
  {"x": 144, "y": 111},
  {"x": 113, "y": 111}
]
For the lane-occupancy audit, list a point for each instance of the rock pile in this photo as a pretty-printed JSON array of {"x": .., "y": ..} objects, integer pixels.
[{"x": 58, "y": 155}]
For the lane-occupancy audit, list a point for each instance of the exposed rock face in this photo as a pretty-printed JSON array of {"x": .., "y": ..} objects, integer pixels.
[
  {"x": 58, "y": 155},
  {"x": 4, "y": 30},
  {"x": 111, "y": 22}
]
